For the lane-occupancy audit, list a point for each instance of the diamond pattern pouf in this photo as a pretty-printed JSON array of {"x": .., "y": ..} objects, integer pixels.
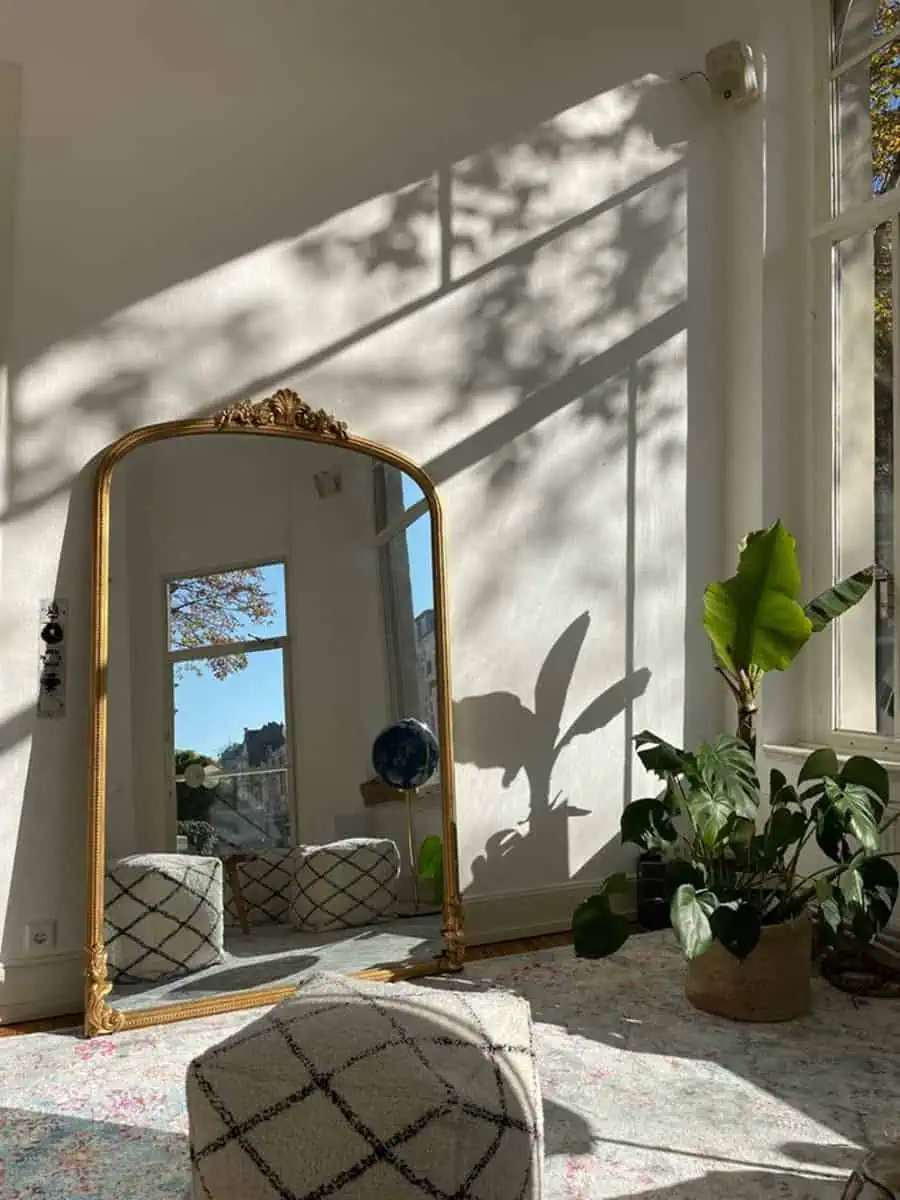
[
  {"x": 164, "y": 915},
  {"x": 267, "y": 883},
  {"x": 345, "y": 884},
  {"x": 357, "y": 1089}
]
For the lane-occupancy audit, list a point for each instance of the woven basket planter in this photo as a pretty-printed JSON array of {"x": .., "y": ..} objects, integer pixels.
[{"x": 771, "y": 984}]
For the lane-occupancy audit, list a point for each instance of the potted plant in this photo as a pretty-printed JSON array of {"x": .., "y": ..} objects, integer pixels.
[
  {"x": 741, "y": 907},
  {"x": 744, "y": 911}
]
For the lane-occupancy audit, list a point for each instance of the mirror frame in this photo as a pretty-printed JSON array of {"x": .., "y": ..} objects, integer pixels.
[{"x": 283, "y": 414}]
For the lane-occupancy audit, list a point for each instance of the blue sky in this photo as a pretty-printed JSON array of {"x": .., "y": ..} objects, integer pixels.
[{"x": 210, "y": 713}]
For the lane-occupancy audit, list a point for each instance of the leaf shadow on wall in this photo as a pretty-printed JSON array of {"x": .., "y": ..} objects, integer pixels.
[{"x": 497, "y": 731}]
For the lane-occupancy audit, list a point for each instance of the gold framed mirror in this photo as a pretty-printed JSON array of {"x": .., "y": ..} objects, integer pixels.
[{"x": 268, "y": 603}]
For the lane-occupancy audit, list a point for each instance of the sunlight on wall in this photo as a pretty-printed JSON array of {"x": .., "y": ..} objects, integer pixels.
[{"x": 510, "y": 309}]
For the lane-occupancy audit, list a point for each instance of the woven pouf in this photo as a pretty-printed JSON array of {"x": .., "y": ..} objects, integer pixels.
[
  {"x": 358, "y": 1089},
  {"x": 877, "y": 1177},
  {"x": 344, "y": 885},
  {"x": 267, "y": 882},
  {"x": 163, "y": 915}
]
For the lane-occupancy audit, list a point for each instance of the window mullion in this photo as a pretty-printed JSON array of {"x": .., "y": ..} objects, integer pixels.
[
  {"x": 860, "y": 219},
  {"x": 226, "y": 649},
  {"x": 407, "y": 518},
  {"x": 854, "y": 60}
]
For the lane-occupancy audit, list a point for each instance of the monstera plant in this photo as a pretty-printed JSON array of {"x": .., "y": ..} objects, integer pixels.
[
  {"x": 757, "y": 623},
  {"x": 739, "y": 879}
]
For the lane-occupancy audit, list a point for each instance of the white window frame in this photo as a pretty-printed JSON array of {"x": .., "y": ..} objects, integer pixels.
[
  {"x": 381, "y": 539},
  {"x": 840, "y": 537},
  {"x": 222, "y": 650}
]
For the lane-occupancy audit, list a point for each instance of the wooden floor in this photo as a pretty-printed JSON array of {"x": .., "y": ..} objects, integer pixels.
[{"x": 473, "y": 954}]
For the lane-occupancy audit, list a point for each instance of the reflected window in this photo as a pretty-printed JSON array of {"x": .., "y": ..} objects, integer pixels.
[
  {"x": 232, "y": 763},
  {"x": 403, "y": 537}
]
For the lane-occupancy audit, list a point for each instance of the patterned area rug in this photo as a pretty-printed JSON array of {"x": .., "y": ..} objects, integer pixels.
[{"x": 644, "y": 1097}]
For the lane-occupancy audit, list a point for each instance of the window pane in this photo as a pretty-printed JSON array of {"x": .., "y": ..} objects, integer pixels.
[
  {"x": 234, "y": 722},
  {"x": 865, "y": 376},
  {"x": 231, "y": 606},
  {"x": 868, "y": 146},
  {"x": 859, "y": 22},
  {"x": 241, "y": 811},
  {"x": 409, "y": 592}
]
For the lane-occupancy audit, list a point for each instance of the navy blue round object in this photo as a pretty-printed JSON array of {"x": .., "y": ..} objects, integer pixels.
[{"x": 405, "y": 755}]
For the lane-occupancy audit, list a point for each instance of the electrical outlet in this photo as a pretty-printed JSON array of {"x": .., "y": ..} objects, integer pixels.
[{"x": 40, "y": 937}]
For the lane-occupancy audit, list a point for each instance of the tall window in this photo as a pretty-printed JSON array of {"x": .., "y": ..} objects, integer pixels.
[
  {"x": 403, "y": 538},
  {"x": 855, "y": 247},
  {"x": 231, "y": 765}
]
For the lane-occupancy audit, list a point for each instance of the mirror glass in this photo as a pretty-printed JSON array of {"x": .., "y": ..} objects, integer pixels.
[{"x": 271, "y": 612}]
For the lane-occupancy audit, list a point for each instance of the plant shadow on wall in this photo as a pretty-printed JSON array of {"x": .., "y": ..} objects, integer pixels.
[
  {"x": 498, "y": 731},
  {"x": 561, "y": 307}
]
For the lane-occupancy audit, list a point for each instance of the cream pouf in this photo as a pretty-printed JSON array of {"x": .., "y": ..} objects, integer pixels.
[
  {"x": 163, "y": 916},
  {"x": 344, "y": 885},
  {"x": 877, "y": 1177},
  {"x": 267, "y": 883},
  {"x": 357, "y": 1089}
]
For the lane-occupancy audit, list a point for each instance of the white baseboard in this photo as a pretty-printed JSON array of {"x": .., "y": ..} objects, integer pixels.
[
  {"x": 32, "y": 989},
  {"x": 508, "y": 915}
]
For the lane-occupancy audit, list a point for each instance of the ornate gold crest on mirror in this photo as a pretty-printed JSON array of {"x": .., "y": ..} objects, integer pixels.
[{"x": 269, "y": 629}]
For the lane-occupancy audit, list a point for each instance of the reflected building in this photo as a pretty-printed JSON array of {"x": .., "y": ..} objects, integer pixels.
[
  {"x": 426, "y": 668},
  {"x": 254, "y": 809}
]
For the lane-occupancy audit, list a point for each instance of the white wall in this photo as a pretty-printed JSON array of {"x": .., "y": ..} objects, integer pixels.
[
  {"x": 202, "y": 504},
  {"x": 217, "y": 197}
]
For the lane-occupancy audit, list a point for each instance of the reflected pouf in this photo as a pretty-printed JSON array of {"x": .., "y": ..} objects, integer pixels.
[
  {"x": 163, "y": 916},
  {"x": 356, "y": 1089},
  {"x": 405, "y": 755},
  {"x": 266, "y": 881},
  {"x": 345, "y": 885}
]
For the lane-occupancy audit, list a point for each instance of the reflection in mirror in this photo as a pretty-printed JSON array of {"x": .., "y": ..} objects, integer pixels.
[{"x": 271, "y": 612}]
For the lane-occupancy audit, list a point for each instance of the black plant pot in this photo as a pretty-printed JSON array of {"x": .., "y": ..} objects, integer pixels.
[{"x": 653, "y": 892}]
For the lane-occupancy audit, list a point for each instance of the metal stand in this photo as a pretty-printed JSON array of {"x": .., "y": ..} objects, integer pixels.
[{"x": 409, "y": 797}]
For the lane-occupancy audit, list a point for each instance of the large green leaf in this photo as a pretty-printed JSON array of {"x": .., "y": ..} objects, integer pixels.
[
  {"x": 881, "y": 884},
  {"x": 821, "y": 764},
  {"x": 835, "y": 601},
  {"x": 868, "y": 774},
  {"x": 690, "y": 919},
  {"x": 850, "y": 884},
  {"x": 856, "y": 809},
  {"x": 660, "y": 756},
  {"x": 597, "y": 931},
  {"x": 753, "y": 619},
  {"x": 647, "y": 823},
  {"x": 737, "y": 926},
  {"x": 727, "y": 770},
  {"x": 709, "y": 814},
  {"x": 785, "y": 827},
  {"x": 831, "y": 834}
]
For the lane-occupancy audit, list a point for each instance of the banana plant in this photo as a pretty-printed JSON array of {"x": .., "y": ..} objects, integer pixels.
[
  {"x": 731, "y": 879},
  {"x": 756, "y": 622}
]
